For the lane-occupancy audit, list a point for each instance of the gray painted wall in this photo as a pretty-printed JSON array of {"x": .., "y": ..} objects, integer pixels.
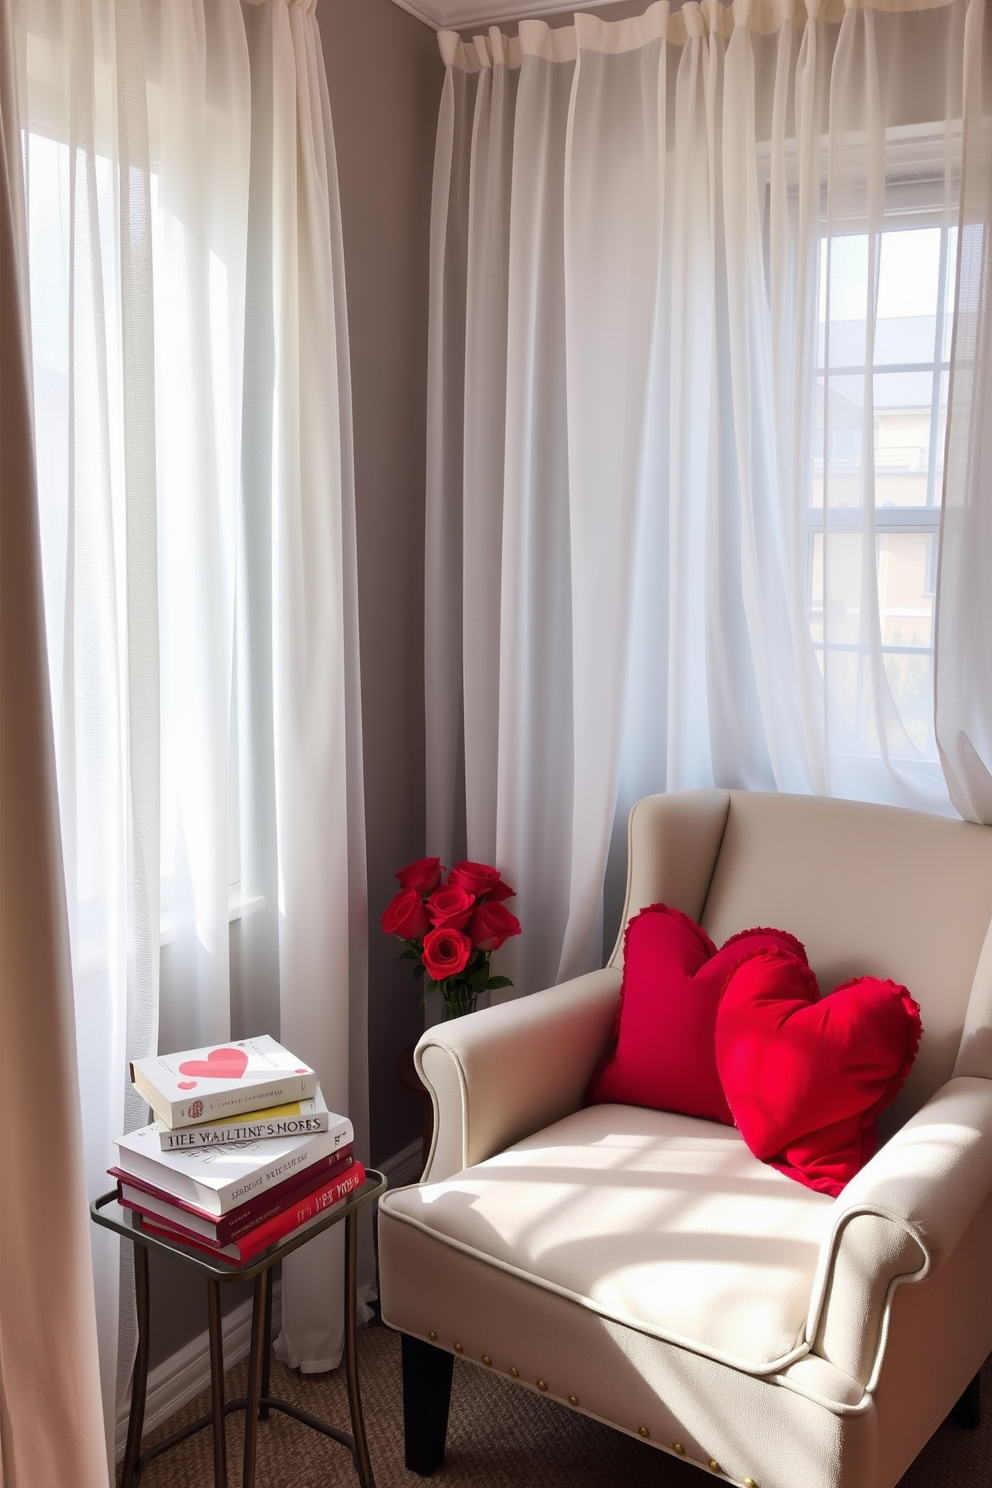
[{"x": 385, "y": 76}]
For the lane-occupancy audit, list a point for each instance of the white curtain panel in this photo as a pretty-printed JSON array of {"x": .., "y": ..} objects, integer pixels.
[
  {"x": 443, "y": 604},
  {"x": 197, "y": 515},
  {"x": 534, "y": 806},
  {"x": 711, "y": 519},
  {"x": 319, "y": 807},
  {"x": 964, "y": 611}
]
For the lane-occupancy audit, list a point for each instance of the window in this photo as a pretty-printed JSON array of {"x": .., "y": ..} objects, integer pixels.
[
  {"x": 880, "y": 415},
  {"x": 83, "y": 526}
]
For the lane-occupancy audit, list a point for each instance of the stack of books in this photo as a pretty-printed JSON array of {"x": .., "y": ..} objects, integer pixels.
[{"x": 243, "y": 1151}]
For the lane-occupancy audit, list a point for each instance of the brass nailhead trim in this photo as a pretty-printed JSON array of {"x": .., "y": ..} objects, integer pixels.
[
  {"x": 714, "y": 1465},
  {"x": 750, "y": 1483},
  {"x": 541, "y": 1385},
  {"x": 432, "y": 1335},
  {"x": 459, "y": 1349},
  {"x": 573, "y": 1400},
  {"x": 514, "y": 1372},
  {"x": 643, "y": 1431},
  {"x": 678, "y": 1447},
  {"x": 486, "y": 1359}
]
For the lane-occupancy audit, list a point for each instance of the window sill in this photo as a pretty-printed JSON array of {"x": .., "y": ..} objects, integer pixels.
[{"x": 239, "y": 906}]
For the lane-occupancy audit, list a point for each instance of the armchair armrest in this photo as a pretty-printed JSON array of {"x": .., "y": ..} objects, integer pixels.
[
  {"x": 508, "y": 1071},
  {"x": 898, "y": 1220}
]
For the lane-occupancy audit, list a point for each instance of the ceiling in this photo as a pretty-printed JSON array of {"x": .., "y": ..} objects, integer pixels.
[{"x": 456, "y": 15}]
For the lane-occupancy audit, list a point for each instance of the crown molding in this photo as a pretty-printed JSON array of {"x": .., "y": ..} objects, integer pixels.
[{"x": 458, "y": 15}]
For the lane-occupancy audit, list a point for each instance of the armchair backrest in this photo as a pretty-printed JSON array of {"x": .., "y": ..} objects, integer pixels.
[{"x": 870, "y": 890}]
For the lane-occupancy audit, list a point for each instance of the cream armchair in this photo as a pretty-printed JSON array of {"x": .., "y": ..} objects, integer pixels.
[{"x": 643, "y": 1267}]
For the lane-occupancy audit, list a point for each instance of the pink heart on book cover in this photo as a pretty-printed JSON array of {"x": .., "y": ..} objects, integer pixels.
[
  {"x": 187, "y": 1084},
  {"x": 220, "y": 1064}
]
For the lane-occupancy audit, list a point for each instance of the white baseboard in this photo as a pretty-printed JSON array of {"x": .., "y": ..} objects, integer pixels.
[
  {"x": 405, "y": 1166},
  {"x": 185, "y": 1373}
]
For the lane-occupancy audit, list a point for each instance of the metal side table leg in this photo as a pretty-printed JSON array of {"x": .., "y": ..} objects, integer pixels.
[
  {"x": 263, "y": 1409},
  {"x": 363, "y": 1463},
  {"x": 217, "y": 1383},
  {"x": 263, "y": 1281},
  {"x": 139, "y": 1380}
]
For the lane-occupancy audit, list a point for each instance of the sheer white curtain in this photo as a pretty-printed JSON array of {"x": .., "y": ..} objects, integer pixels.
[
  {"x": 317, "y": 865},
  {"x": 197, "y": 514},
  {"x": 730, "y": 285},
  {"x": 963, "y": 659},
  {"x": 534, "y": 825}
]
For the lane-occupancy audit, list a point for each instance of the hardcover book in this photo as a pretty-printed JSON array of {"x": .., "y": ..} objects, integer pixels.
[
  {"x": 218, "y": 1179},
  {"x": 136, "y": 1193},
  {"x": 222, "y": 1080},
  {"x": 300, "y": 1118},
  {"x": 284, "y": 1224}
]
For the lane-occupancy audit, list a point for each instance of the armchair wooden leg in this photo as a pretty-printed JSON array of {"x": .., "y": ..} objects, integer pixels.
[
  {"x": 968, "y": 1411},
  {"x": 426, "y": 1397}
]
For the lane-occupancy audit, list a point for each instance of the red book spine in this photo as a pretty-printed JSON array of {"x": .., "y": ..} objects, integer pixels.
[
  {"x": 273, "y": 1230},
  {"x": 239, "y": 1221}
]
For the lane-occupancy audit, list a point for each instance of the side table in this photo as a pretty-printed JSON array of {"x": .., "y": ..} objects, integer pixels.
[{"x": 257, "y": 1403}]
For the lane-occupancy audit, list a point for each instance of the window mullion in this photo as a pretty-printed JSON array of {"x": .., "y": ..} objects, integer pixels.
[{"x": 938, "y": 347}]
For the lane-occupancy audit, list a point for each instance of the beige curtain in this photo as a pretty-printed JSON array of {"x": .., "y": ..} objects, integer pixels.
[{"x": 51, "y": 1422}]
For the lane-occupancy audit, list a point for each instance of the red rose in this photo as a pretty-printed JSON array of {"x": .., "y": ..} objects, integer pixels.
[
  {"x": 475, "y": 878},
  {"x": 491, "y": 925},
  {"x": 500, "y": 890},
  {"x": 424, "y": 874},
  {"x": 405, "y": 915},
  {"x": 446, "y": 953},
  {"x": 450, "y": 907}
]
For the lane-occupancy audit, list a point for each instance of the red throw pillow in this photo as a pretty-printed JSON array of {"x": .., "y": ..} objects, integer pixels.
[
  {"x": 673, "y": 979},
  {"x": 806, "y": 1076}
]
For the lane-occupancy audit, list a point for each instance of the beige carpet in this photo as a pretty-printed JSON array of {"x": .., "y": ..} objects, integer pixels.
[{"x": 499, "y": 1436}]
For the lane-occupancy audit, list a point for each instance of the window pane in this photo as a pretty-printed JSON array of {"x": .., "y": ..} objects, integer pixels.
[
  {"x": 880, "y": 416},
  {"x": 908, "y": 284},
  {"x": 908, "y": 298},
  {"x": 910, "y": 680},
  {"x": 840, "y": 632},
  {"x": 901, "y": 419},
  {"x": 950, "y": 293},
  {"x": 842, "y": 588},
  {"x": 905, "y": 588},
  {"x": 844, "y": 273},
  {"x": 838, "y": 439},
  {"x": 938, "y": 437}
]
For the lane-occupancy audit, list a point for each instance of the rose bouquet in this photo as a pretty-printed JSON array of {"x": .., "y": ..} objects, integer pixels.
[{"x": 451, "y": 927}]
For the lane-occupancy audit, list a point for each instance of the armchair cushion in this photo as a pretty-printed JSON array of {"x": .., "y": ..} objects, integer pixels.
[
  {"x": 665, "y": 1056},
  {"x": 660, "y": 1222}
]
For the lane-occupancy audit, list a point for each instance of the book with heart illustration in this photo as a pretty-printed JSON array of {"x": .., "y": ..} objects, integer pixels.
[
  {"x": 200, "y": 1085},
  {"x": 218, "y": 1179}
]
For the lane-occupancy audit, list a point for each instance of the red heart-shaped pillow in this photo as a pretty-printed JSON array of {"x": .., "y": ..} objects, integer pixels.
[
  {"x": 806, "y": 1077},
  {"x": 673, "y": 979}
]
